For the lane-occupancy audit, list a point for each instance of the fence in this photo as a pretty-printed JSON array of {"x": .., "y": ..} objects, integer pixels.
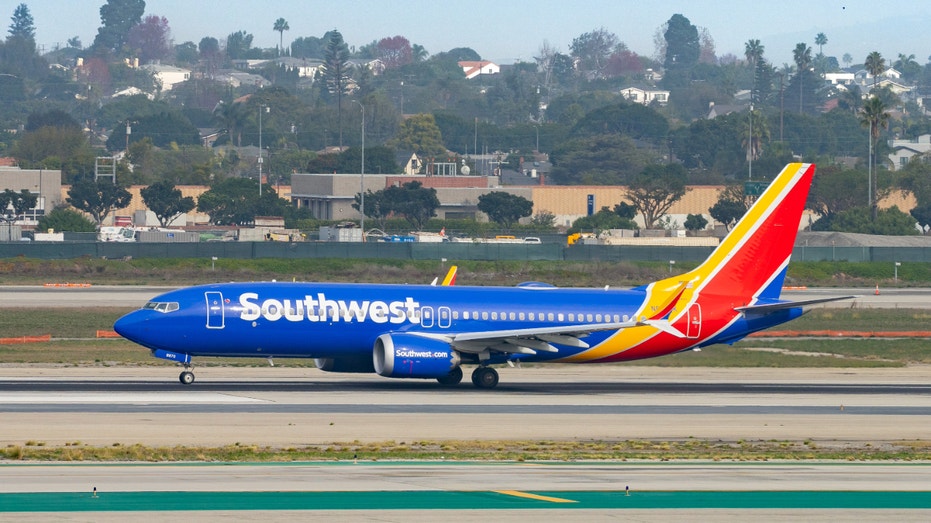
[{"x": 431, "y": 251}]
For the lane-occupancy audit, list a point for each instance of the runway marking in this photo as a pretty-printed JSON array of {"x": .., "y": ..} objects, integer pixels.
[
  {"x": 140, "y": 398},
  {"x": 528, "y": 495}
]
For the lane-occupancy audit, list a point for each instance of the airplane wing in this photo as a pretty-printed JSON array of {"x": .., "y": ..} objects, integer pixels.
[
  {"x": 770, "y": 307},
  {"x": 526, "y": 341}
]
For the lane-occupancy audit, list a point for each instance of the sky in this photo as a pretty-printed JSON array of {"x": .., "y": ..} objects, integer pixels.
[{"x": 506, "y": 31}]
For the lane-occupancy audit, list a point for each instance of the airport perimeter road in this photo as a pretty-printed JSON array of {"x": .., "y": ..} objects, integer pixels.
[{"x": 136, "y": 296}]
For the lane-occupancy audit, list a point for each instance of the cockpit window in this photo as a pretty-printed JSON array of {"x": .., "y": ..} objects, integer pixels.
[{"x": 162, "y": 306}]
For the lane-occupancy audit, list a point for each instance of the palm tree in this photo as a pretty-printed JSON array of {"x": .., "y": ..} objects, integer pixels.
[
  {"x": 281, "y": 25},
  {"x": 753, "y": 50},
  {"x": 802, "y": 56},
  {"x": 820, "y": 41},
  {"x": 873, "y": 115},
  {"x": 875, "y": 64},
  {"x": 754, "y": 131},
  {"x": 233, "y": 116},
  {"x": 847, "y": 59}
]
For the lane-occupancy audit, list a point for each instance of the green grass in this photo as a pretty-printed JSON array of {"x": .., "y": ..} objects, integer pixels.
[
  {"x": 73, "y": 331},
  {"x": 175, "y": 271}
]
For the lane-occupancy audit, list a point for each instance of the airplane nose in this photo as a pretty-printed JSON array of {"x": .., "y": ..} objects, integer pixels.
[{"x": 132, "y": 326}]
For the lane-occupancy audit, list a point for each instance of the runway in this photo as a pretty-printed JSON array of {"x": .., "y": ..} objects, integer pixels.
[{"x": 283, "y": 407}]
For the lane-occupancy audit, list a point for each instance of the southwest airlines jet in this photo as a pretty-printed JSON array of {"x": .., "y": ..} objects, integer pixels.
[{"x": 430, "y": 331}]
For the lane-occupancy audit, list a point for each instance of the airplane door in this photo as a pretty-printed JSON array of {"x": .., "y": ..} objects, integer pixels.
[
  {"x": 693, "y": 328},
  {"x": 444, "y": 317},
  {"x": 215, "y": 314},
  {"x": 426, "y": 317}
]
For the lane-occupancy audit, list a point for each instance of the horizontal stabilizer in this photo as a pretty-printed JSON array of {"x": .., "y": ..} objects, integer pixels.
[{"x": 770, "y": 307}]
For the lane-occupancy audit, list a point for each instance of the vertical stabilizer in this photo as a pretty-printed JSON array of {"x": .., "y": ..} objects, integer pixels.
[{"x": 751, "y": 260}]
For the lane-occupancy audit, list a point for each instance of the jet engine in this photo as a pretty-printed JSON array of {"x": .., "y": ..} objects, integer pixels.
[{"x": 411, "y": 356}]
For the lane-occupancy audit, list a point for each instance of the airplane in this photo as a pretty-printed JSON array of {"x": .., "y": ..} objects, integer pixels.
[{"x": 431, "y": 331}]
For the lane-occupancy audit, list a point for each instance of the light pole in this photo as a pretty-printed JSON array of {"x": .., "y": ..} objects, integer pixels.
[
  {"x": 750, "y": 146},
  {"x": 261, "y": 109},
  {"x": 897, "y": 264},
  {"x": 362, "y": 175}
]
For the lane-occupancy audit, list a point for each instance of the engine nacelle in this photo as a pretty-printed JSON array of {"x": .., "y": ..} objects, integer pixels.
[
  {"x": 356, "y": 364},
  {"x": 410, "y": 356}
]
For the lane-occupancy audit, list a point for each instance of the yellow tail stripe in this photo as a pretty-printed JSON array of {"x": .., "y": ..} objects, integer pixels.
[{"x": 519, "y": 494}]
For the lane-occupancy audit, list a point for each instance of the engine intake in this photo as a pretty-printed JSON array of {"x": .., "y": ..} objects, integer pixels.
[{"x": 410, "y": 356}]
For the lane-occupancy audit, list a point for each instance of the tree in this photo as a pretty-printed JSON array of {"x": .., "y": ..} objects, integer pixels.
[
  {"x": 695, "y": 222},
  {"x": 281, "y": 25},
  {"x": 504, "y": 208},
  {"x": 167, "y": 202},
  {"x": 238, "y": 45},
  {"x": 732, "y": 204},
  {"x": 98, "y": 198},
  {"x": 602, "y": 220},
  {"x": 150, "y": 39},
  {"x": 821, "y": 40},
  {"x": 753, "y": 50},
  {"x": 593, "y": 49},
  {"x": 874, "y": 116},
  {"x": 117, "y": 17},
  {"x": 754, "y": 132},
  {"x": 236, "y": 201},
  {"x": 19, "y": 201},
  {"x": 233, "y": 117},
  {"x": 683, "y": 49},
  {"x": 22, "y": 26},
  {"x": 835, "y": 190},
  {"x": 802, "y": 56},
  {"x": 922, "y": 214},
  {"x": 413, "y": 201},
  {"x": 875, "y": 64},
  {"x": 64, "y": 219},
  {"x": 336, "y": 73},
  {"x": 394, "y": 52},
  {"x": 209, "y": 51},
  {"x": 420, "y": 134},
  {"x": 656, "y": 189}
]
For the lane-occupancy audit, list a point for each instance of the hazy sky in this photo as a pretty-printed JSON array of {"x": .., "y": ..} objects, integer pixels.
[{"x": 506, "y": 31}]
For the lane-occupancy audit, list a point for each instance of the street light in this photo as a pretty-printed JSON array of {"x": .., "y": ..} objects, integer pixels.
[
  {"x": 261, "y": 108},
  {"x": 362, "y": 175}
]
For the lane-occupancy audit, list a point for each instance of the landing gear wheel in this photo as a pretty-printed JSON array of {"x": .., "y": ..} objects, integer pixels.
[
  {"x": 186, "y": 377},
  {"x": 453, "y": 378},
  {"x": 485, "y": 377}
]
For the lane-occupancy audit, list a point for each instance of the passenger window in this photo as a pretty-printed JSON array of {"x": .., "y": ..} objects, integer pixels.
[
  {"x": 521, "y": 316},
  {"x": 550, "y": 316},
  {"x": 532, "y": 316},
  {"x": 560, "y": 317},
  {"x": 494, "y": 315}
]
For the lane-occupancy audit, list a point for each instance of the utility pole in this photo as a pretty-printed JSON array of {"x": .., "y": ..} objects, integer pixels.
[{"x": 362, "y": 175}]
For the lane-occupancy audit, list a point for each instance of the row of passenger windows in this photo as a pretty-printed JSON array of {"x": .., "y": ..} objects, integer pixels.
[{"x": 549, "y": 316}]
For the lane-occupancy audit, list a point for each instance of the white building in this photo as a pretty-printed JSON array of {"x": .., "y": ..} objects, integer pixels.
[{"x": 904, "y": 150}]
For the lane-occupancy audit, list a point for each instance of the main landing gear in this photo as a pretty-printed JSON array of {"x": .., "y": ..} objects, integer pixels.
[
  {"x": 482, "y": 377},
  {"x": 453, "y": 378},
  {"x": 485, "y": 377}
]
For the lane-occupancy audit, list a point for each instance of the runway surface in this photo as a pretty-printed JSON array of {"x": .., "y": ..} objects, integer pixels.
[
  {"x": 136, "y": 296},
  {"x": 282, "y": 406}
]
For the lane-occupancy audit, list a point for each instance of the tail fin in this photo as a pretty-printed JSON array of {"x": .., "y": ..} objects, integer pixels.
[{"x": 751, "y": 261}]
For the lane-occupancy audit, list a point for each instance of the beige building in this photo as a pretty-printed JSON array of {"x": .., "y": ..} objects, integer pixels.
[{"x": 44, "y": 183}]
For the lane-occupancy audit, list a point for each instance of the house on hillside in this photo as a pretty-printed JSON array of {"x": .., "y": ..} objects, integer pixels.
[
  {"x": 473, "y": 69},
  {"x": 904, "y": 150},
  {"x": 645, "y": 96},
  {"x": 167, "y": 75}
]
